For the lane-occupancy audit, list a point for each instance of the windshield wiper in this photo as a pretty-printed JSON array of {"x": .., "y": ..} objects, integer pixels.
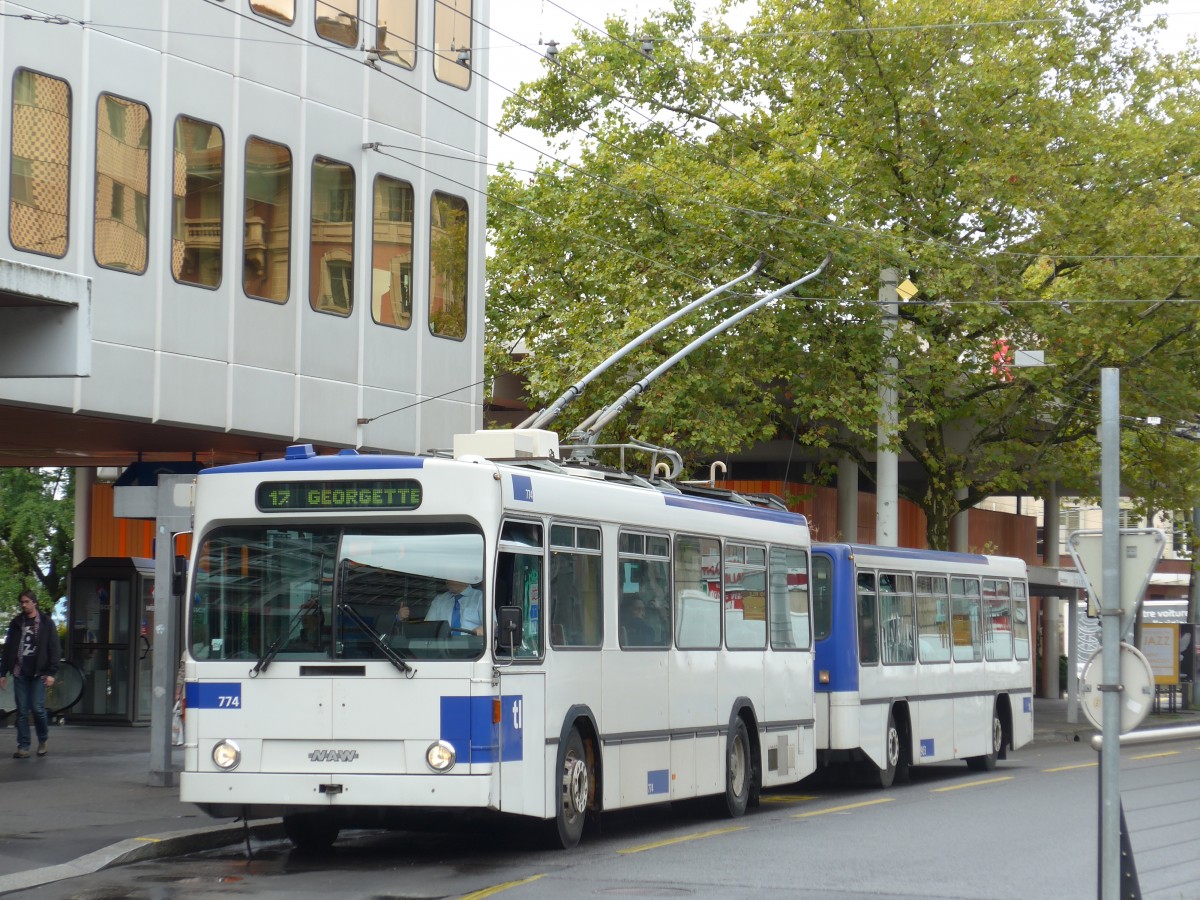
[
  {"x": 279, "y": 643},
  {"x": 392, "y": 656}
]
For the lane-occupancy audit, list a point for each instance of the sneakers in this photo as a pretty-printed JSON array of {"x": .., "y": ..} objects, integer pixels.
[
  {"x": 21, "y": 754},
  {"x": 41, "y": 750}
]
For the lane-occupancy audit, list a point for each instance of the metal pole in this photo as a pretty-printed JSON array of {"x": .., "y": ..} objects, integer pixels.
[
  {"x": 1110, "y": 625},
  {"x": 887, "y": 460}
]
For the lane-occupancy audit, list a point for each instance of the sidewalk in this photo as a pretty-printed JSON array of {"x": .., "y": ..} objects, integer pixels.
[{"x": 88, "y": 805}]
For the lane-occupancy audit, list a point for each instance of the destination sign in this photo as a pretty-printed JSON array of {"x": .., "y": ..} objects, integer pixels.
[{"x": 292, "y": 496}]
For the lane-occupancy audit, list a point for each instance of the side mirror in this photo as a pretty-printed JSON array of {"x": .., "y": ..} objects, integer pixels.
[
  {"x": 179, "y": 576},
  {"x": 508, "y": 629}
]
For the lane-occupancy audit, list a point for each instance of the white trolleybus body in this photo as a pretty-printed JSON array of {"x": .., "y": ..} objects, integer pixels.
[
  {"x": 921, "y": 657},
  {"x": 637, "y": 643}
]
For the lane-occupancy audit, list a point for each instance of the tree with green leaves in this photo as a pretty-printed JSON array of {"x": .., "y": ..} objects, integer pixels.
[
  {"x": 1029, "y": 167},
  {"x": 37, "y": 522}
]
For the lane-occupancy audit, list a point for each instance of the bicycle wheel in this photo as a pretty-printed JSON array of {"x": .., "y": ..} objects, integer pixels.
[
  {"x": 8, "y": 700},
  {"x": 66, "y": 690}
]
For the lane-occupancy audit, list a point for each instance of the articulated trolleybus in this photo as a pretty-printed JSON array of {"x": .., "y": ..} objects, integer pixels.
[
  {"x": 921, "y": 657},
  {"x": 619, "y": 639}
]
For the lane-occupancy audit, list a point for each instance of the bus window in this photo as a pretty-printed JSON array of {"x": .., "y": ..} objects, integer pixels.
[
  {"x": 789, "y": 599},
  {"x": 997, "y": 620},
  {"x": 868, "y": 631},
  {"x": 1020, "y": 620},
  {"x": 933, "y": 624},
  {"x": 745, "y": 597},
  {"x": 822, "y": 599},
  {"x": 576, "y": 598},
  {"x": 697, "y": 593},
  {"x": 644, "y": 616},
  {"x": 896, "y": 617},
  {"x": 965, "y": 619}
]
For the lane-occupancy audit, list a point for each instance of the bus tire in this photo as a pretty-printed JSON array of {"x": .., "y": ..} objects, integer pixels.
[
  {"x": 573, "y": 790},
  {"x": 896, "y": 763},
  {"x": 738, "y": 770},
  {"x": 311, "y": 832},
  {"x": 987, "y": 762}
]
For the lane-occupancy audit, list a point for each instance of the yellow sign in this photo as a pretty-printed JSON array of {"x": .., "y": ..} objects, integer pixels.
[{"x": 1160, "y": 646}]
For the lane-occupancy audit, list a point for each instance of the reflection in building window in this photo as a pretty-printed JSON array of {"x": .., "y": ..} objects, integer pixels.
[
  {"x": 448, "y": 266},
  {"x": 391, "y": 260},
  {"x": 452, "y": 42},
  {"x": 266, "y": 257},
  {"x": 41, "y": 163},
  {"x": 337, "y": 21},
  {"x": 331, "y": 260},
  {"x": 396, "y": 32},
  {"x": 199, "y": 190},
  {"x": 121, "y": 239},
  {"x": 283, "y": 10}
]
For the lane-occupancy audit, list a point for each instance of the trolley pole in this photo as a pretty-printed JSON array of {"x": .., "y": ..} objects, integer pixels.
[{"x": 1110, "y": 632}]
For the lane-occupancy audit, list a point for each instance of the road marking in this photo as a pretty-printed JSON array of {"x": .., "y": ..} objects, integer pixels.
[
  {"x": 1090, "y": 765},
  {"x": 495, "y": 889},
  {"x": 848, "y": 806},
  {"x": 971, "y": 784},
  {"x": 786, "y": 798},
  {"x": 1156, "y": 755},
  {"x": 687, "y": 837}
]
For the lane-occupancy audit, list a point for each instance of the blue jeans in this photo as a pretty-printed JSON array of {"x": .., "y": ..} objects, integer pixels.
[{"x": 31, "y": 697}]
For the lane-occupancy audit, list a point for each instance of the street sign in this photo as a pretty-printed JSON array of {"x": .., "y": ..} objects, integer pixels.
[
  {"x": 1140, "y": 552},
  {"x": 1137, "y": 689}
]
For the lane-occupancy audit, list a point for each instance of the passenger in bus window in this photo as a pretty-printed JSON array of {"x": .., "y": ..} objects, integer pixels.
[
  {"x": 636, "y": 631},
  {"x": 460, "y": 605}
]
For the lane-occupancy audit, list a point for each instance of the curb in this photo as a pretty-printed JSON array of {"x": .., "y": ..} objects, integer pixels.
[{"x": 131, "y": 850}]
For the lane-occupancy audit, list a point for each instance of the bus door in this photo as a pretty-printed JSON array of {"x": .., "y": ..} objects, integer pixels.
[{"x": 518, "y": 598}]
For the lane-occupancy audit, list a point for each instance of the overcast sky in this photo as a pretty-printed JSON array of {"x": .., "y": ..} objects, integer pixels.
[{"x": 522, "y": 27}]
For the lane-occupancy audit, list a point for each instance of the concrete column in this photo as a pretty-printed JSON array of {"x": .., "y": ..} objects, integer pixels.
[
  {"x": 847, "y": 498},
  {"x": 887, "y": 462},
  {"x": 960, "y": 527},
  {"x": 84, "y": 480}
]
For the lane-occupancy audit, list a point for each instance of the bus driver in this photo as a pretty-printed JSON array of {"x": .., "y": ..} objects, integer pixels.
[{"x": 460, "y": 605}]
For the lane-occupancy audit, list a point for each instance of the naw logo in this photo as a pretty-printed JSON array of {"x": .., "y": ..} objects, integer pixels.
[{"x": 333, "y": 756}]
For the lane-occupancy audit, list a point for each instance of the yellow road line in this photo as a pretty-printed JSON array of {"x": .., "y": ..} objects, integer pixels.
[
  {"x": 496, "y": 889},
  {"x": 1156, "y": 755},
  {"x": 687, "y": 837},
  {"x": 971, "y": 784},
  {"x": 848, "y": 806},
  {"x": 1090, "y": 765},
  {"x": 786, "y": 798}
]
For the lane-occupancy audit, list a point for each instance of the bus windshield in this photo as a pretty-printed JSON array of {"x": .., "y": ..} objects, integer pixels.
[{"x": 281, "y": 592}]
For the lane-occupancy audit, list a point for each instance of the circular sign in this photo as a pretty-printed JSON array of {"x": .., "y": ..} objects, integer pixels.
[{"x": 1137, "y": 688}]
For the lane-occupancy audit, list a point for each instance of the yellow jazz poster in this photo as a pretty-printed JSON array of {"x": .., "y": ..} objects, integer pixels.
[{"x": 1160, "y": 645}]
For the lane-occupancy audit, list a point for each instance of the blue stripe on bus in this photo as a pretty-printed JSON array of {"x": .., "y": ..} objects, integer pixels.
[
  {"x": 926, "y": 747},
  {"x": 335, "y": 463},
  {"x": 213, "y": 695},
  {"x": 736, "y": 509},
  {"x": 467, "y": 726}
]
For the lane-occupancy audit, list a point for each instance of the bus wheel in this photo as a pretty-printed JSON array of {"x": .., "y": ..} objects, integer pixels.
[
  {"x": 737, "y": 771},
  {"x": 893, "y": 752},
  {"x": 987, "y": 762},
  {"x": 574, "y": 791},
  {"x": 311, "y": 832}
]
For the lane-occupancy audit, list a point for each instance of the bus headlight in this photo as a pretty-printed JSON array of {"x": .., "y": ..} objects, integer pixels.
[
  {"x": 440, "y": 756},
  {"x": 226, "y": 755}
]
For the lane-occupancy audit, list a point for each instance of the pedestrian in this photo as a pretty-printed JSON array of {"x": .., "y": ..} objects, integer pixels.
[{"x": 31, "y": 655}]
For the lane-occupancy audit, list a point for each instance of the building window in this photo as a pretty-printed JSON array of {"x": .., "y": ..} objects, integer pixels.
[
  {"x": 198, "y": 208},
  {"x": 452, "y": 42},
  {"x": 396, "y": 32},
  {"x": 40, "y": 176},
  {"x": 266, "y": 231},
  {"x": 448, "y": 266},
  {"x": 391, "y": 253},
  {"x": 121, "y": 239},
  {"x": 280, "y": 10},
  {"x": 337, "y": 21},
  {"x": 331, "y": 260}
]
